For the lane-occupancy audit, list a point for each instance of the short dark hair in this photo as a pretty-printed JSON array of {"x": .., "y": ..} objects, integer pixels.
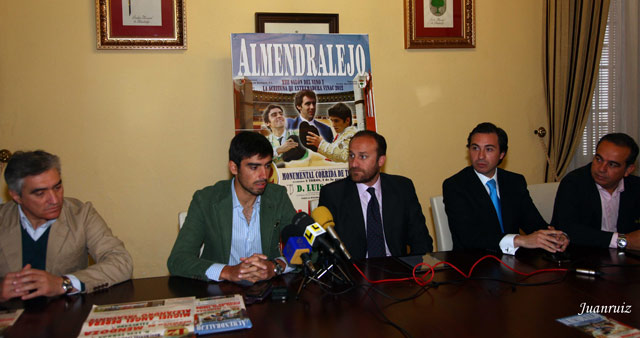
[
  {"x": 490, "y": 128},
  {"x": 622, "y": 140},
  {"x": 28, "y": 163},
  {"x": 246, "y": 144},
  {"x": 266, "y": 111},
  {"x": 380, "y": 141},
  {"x": 341, "y": 111},
  {"x": 297, "y": 100}
]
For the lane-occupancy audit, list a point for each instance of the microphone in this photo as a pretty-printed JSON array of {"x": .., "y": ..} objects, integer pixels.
[
  {"x": 323, "y": 216},
  {"x": 297, "y": 251},
  {"x": 312, "y": 231},
  {"x": 295, "y": 247}
]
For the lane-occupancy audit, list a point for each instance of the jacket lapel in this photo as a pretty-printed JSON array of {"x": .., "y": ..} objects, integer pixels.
[
  {"x": 223, "y": 208},
  {"x": 480, "y": 193},
  {"x": 390, "y": 216},
  {"x": 58, "y": 235},
  {"x": 11, "y": 240}
]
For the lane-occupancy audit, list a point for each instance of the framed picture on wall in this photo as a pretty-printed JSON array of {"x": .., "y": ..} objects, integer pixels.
[
  {"x": 439, "y": 24},
  {"x": 141, "y": 24},
  {"x": 308, "y": 23}
]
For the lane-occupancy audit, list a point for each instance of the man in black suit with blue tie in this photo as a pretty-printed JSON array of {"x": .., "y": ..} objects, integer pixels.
[
  {"x": 376, "y": 214},
  {"x": 487, "y": 206},
  {"x": 306, "y": 103}
]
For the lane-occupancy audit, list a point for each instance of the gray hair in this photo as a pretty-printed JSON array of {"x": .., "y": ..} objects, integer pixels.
[{"x": 28, "y": 163}]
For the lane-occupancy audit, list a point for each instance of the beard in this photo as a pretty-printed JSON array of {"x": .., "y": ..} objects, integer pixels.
[{"x": 363, "y": 176}]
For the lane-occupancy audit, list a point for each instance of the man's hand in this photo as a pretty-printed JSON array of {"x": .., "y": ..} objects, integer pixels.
[
  {"x": 30, "y": 283},
  {"x": 253, "y": 269},
  {"x": 551, "y": 240},
  {"x": 563, "y": 238},
  {"x": 313, "y": 139},
  {"x": 633, "y": 240},
  {"x": 10, "y": 284},
  {"x": 286, "y": 146}
]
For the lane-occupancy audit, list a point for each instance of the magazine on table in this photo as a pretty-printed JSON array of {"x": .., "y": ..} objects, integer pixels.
[
  {"x": 220, "y": 314},
  {"x": 7, "y": 318},
  {"x": 597, "y": 325},
  {"x": 156, "y": 318}
]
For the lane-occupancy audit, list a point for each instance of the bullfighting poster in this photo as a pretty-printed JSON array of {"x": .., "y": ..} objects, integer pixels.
[{"x": 308, "y": 94}]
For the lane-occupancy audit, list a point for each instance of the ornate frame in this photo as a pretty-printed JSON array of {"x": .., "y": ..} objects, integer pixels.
[
  {"x": 462, "y": 35},
  {"x": 331, "y": 20},
  {"x": 112, "y": 34}
]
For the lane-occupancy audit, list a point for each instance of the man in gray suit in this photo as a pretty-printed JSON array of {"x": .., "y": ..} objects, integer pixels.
[{"x": 45, "y": 238}]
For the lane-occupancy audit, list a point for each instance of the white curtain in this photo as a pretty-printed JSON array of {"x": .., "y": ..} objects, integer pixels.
[{"x": 615, "y": 106}]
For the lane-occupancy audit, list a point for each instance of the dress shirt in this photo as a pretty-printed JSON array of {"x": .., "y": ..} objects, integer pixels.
[
  {"x": 364, "y": 203},
  {"x": 506, "y": 243},
  {"x": 245, "y": 236},
  {"x": 37, "y": 233},
  {"x": 610, "y": 204}
]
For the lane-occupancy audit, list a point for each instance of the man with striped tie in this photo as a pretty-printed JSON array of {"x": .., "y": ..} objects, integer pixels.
[{"x": 487, "y": 206}]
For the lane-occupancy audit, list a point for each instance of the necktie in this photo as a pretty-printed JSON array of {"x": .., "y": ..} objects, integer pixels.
[
  {"x": 375, "y": 237},
  {"x": 493, "y": 193}
]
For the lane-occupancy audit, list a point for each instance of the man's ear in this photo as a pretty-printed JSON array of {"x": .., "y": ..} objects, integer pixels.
[
  {"x": 15, "y": 196},
  {"x": 233, "y": 168},
  {"x": 381, "y": 160},
  {"x": 502, "y": 155},
  {"x": 630, "y": 168}
]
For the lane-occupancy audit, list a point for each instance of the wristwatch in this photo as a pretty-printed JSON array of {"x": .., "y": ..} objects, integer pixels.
[
  {"x": 67, "y": 286},
  {"x": 277, "y": 269},
  {"x": 622, "y": 241}
]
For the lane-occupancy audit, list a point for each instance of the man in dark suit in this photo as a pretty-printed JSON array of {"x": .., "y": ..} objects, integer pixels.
[
  {"x": 375, "y": 214},
  {"x": 487, "y": 206},
  {"x": 599, "y": 204},
  {"x": 305, "y": 102}
]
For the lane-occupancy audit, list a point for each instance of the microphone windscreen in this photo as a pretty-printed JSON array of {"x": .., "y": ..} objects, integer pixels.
[
  {"x": 302, "y": 219},
  {"x": 291, "y": 231},
  {"x": 323, "y": 216},
  {"x": 295, "y": 247}
]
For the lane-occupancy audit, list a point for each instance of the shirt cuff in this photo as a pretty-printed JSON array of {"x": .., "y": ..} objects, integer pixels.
[
  {"x": 506, "y": 244},
  {"x": 614, "y": 241},
  {"x": 213, "y": 272},
  {"x": 77, "y": 285}
]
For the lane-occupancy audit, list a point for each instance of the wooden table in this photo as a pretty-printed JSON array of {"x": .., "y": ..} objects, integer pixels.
[{"x": 467, "y": 308}]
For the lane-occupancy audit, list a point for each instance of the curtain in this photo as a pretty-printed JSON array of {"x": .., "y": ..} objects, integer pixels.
[
  {"x": 574, "y": 34},
  {"x": 615, "y": 105}
]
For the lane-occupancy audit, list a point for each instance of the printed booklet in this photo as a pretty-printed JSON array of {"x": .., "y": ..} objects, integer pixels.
[
  {"x": 220, "y": 314},
  {"x": 157, "y": 318},
  {"x": 597, "y": 325}
]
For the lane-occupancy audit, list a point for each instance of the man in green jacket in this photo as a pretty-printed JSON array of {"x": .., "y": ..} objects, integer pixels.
[{"x": 238, "y": 221}]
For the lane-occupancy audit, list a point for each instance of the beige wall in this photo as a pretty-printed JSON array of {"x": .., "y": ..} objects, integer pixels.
[{"x": 139, "y": 131}]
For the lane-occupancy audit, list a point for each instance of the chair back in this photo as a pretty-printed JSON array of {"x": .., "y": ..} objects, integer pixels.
[
  {"x": 543, "y": 196},
  {"x": 441, "y": 223}
]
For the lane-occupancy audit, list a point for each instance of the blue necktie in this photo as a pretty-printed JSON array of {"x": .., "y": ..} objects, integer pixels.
[
  {"x": 375, "y": 238},
  {"x": 493, "y": 193}
]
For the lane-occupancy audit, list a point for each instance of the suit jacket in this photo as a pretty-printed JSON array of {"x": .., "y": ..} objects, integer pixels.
[
  {"x": 210, "y": 221},
  {"x": 402, "y": 218},
  {"x": 325, "y": 130},
  {"x": 578, "y": 212},
  {"x": 78, "y": 232},
  {"x": 473, "y": 220}
]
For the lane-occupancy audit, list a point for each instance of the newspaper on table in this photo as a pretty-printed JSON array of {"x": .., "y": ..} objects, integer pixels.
[
  {"x": 156, "y": 318},
  {"x": 8, "y": 317},
  {"x": 597, "y": 325},
  {"x": 220, "y": 314}
]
